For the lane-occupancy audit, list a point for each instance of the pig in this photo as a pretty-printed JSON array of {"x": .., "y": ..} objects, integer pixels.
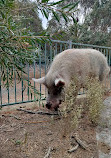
[{"x": 79, "y": 63}]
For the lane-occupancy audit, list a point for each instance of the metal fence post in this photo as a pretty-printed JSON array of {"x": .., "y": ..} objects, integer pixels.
[
  {"x": 70, "y": 44},
  {"x": 0, "y": 90}
]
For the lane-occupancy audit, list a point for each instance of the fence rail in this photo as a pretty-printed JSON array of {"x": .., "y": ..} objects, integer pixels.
[{"x": 20, "y": 91}]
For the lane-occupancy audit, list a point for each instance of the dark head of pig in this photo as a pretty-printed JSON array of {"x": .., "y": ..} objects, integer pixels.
[{"x": 55, "y": 92}]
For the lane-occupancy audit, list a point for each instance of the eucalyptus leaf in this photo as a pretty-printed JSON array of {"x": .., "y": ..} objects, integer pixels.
[
  {"x": 45, "y": 13},
  {"x": 56, "y": 16},
  {"x": 74, "y": 5},
  {"x": 45, "y": 1},
  {"x": 55, "y": 3}
]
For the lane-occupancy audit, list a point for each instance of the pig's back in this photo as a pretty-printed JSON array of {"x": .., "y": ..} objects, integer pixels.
[{"x": 74, "y": 62}]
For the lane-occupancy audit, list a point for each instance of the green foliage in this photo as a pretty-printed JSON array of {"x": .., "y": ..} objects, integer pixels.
[
  {"x": 15, "y": 47},
  {"x": 67, "y": 10},
  {"x": 18, "y": 43},
  {"x": 29, "y": 18},
  {"x": 18, "y": 142},
  {"x": 101, "y": 16},
  {"x": 44, "y": 1},
  {"x": 94, "y": 29}
]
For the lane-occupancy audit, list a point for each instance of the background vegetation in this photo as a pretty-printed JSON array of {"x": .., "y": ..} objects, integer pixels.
[{"x": 92, "y": 23}]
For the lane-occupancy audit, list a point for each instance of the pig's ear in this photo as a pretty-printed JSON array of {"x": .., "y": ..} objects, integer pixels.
[
  {"x": 40, "y": 80},
  {"x": 59, "y": 82}
]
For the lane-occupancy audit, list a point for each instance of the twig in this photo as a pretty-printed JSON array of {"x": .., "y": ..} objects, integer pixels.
[
  {"x": 38, "y": 112},
  {"x": 48, "y": 153},
  {"x": 2, "y": 126},
  {"x": 73, "y": 149},
  {"x": 29, "y": 36},
  {"x": 6, "y": 140},
  {"x": 80, "y": 142}
]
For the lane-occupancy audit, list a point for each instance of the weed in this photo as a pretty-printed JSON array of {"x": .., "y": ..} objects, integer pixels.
[{"x": 18, "y": 142}]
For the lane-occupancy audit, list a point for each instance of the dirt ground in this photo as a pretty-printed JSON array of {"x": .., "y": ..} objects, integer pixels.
[{"x": 24, "y": 135}]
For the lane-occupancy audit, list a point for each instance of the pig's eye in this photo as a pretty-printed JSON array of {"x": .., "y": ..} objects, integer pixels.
[
  {"x": 58, "y": 91},
  {"x": 48, "y": 92}
]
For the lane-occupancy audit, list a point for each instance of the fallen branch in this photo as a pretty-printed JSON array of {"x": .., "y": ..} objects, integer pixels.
[
  {"x": 18, "y": 118},
  {"x": 73, "y": 149},
  {"x": 11, "y": 115},
  {"x": 48, "y": 153},
  {"x": 38, "y": 112},
  {"x": 6, "y": 140},
  {"x": 80, "y": 142}
]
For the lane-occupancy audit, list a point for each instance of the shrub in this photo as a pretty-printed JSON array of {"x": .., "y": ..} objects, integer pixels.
[
  {"x": 71, "y": 111},
  {"x": 94, "y": 95},
  {"x": 73, "y": 107}
]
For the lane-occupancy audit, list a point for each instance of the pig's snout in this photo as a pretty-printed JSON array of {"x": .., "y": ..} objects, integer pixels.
[
  {"x": 48, "y": 105},
  {"x": 53, "y": 106}
]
